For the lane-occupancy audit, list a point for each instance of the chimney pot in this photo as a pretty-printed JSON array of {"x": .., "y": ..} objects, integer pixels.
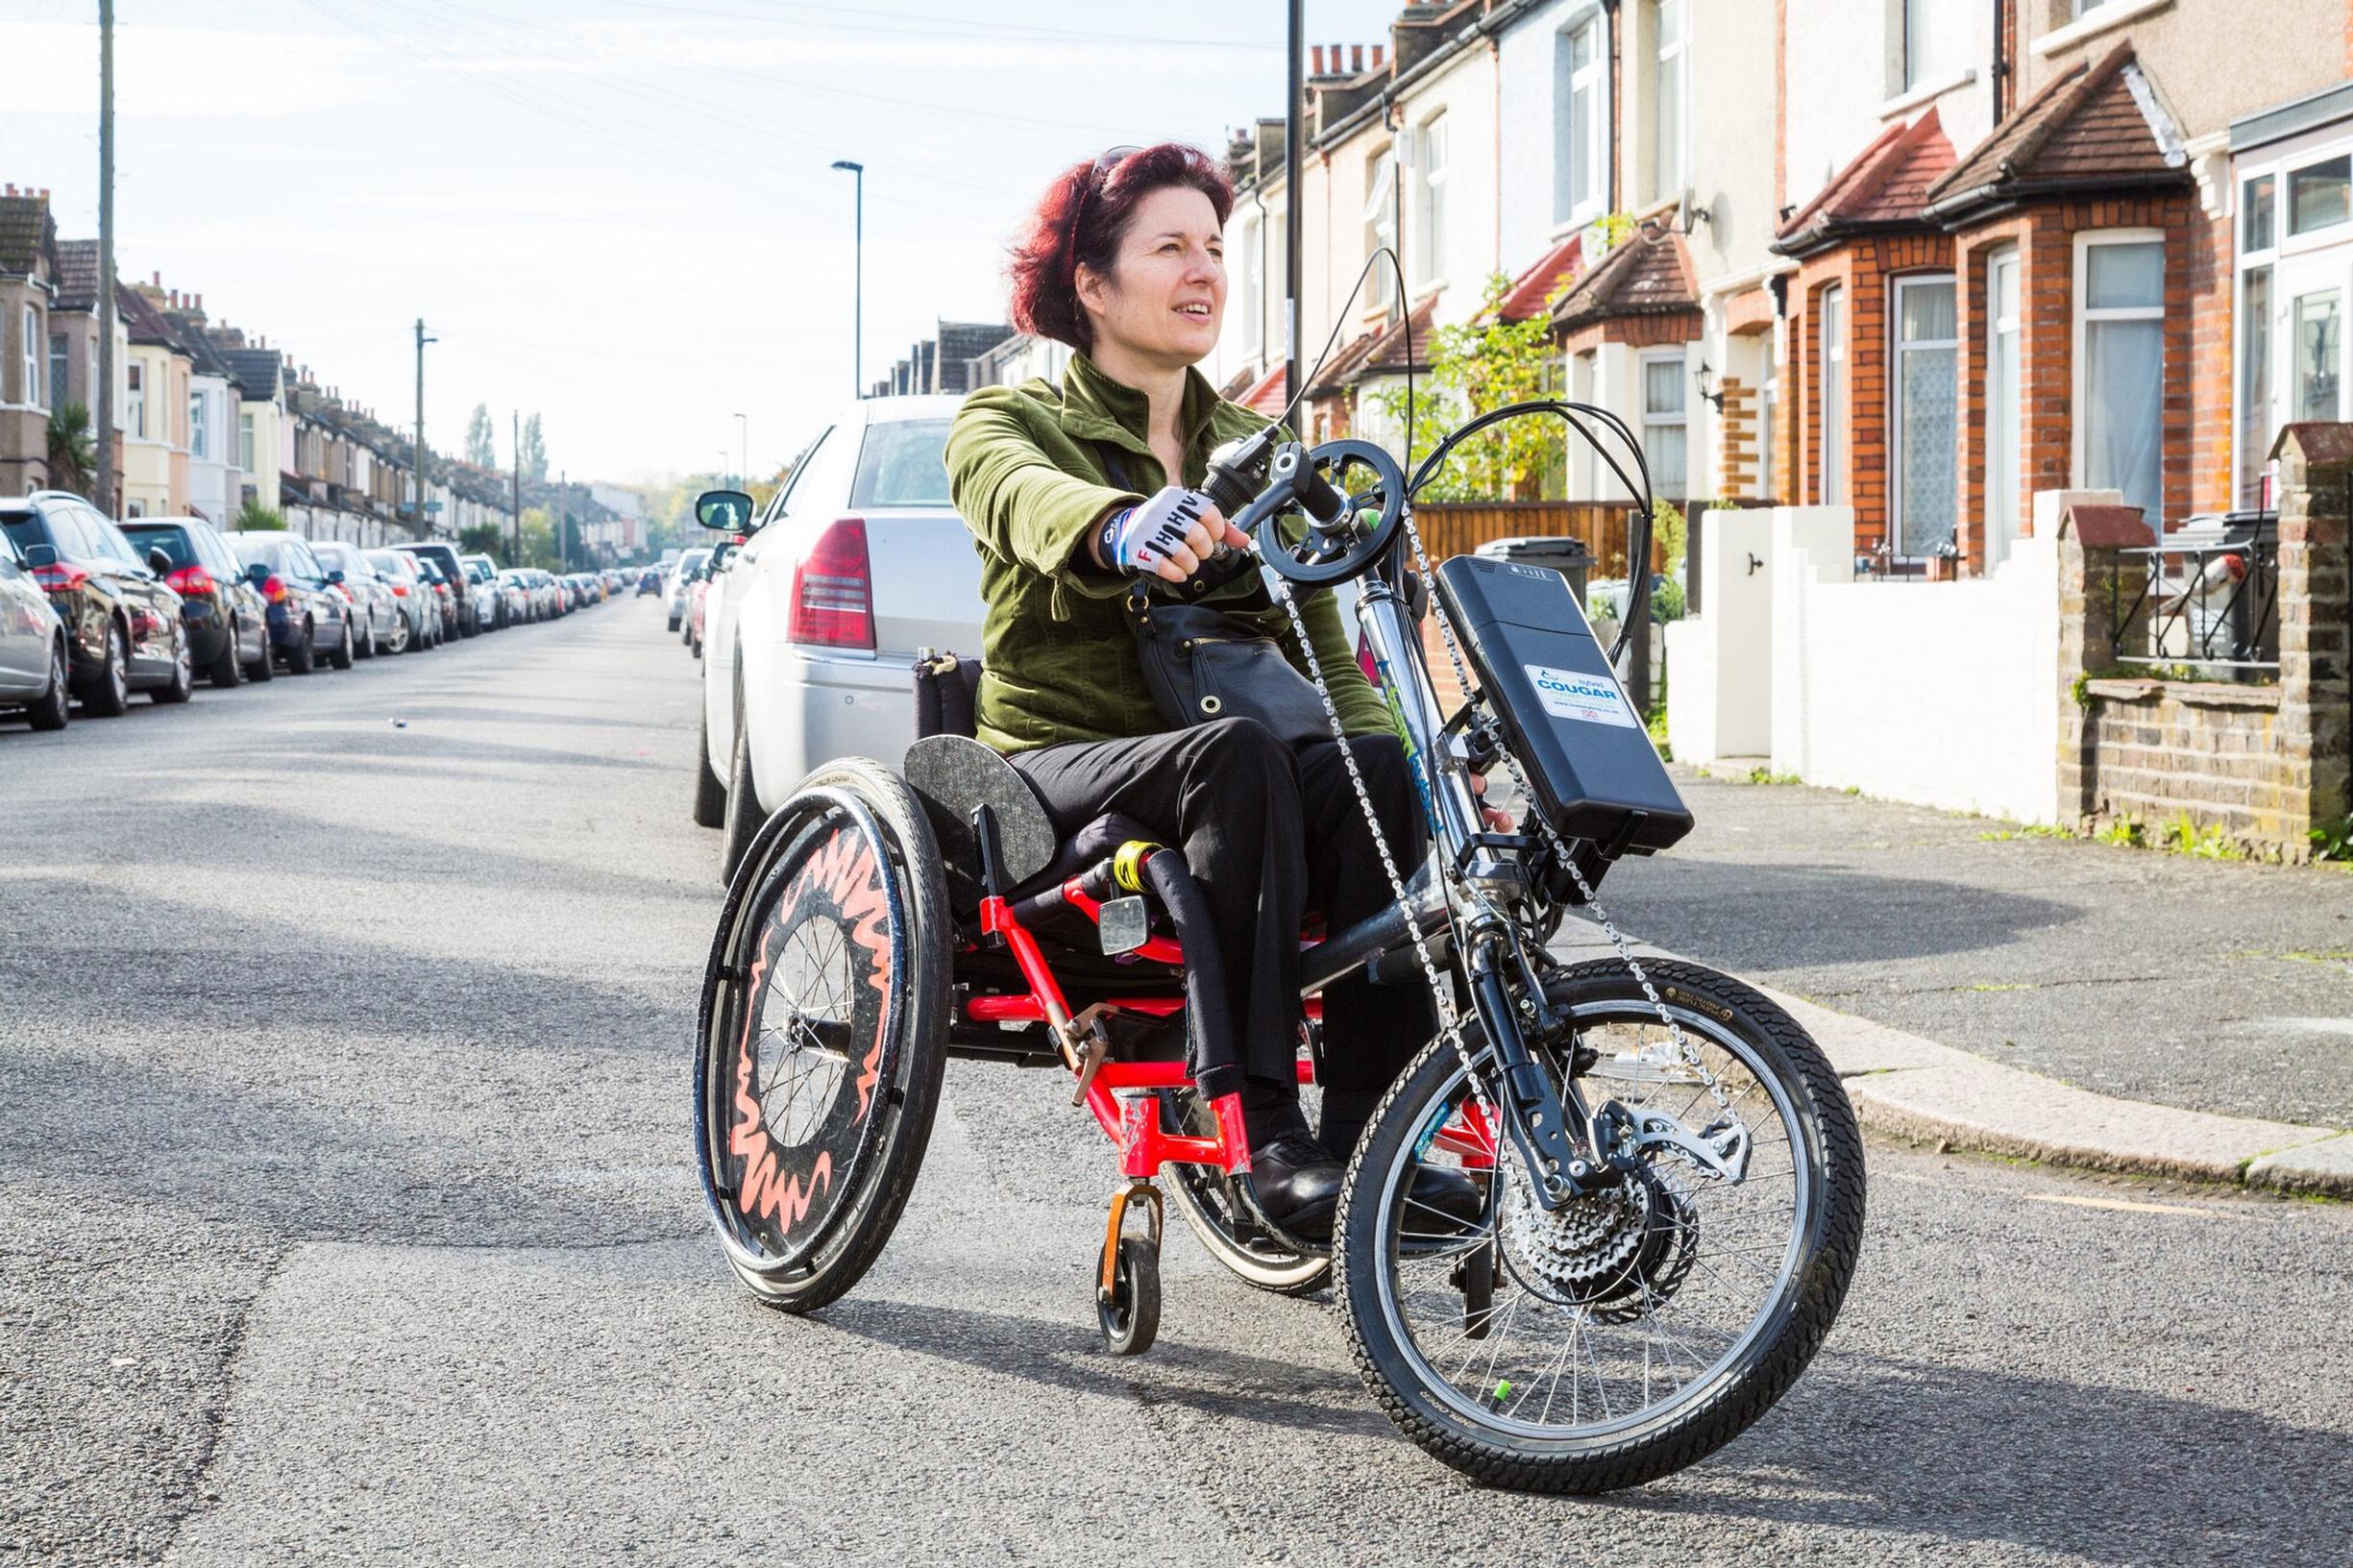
[
  {"x": 1381, "y": 52},
  {"x": 1316, "y": 68},
  {"x": 12, "y": 187},
  {"x": 1356, "y": 57},
  {"x": 157, "y": 278}
]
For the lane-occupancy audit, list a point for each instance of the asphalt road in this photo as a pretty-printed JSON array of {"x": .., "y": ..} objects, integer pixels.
[
  {"x": 345, "y": 1215},
  {"x": 2207, "y": 985}
]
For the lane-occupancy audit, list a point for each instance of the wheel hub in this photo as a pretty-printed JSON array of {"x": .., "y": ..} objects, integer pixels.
[{"x": 1598, "y": 1250}]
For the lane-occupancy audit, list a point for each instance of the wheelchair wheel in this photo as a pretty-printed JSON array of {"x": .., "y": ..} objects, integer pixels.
[
  {"x": 1648, "y": 1322},
  {"x": 1130, "y": 1320},
  {"x": 822, "y": 1034}
]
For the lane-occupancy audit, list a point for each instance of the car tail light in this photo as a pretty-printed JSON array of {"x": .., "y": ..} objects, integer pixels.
[
  {"x": 833, "y": 590},
  {"x": 59, "y": 576},
  {"x": 190, "y": 579},
  {"x": 274, "y": 589},
  {"x": 400, "y": 589}
]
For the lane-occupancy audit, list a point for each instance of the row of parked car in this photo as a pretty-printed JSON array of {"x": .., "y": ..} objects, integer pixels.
[{"x": 94, "y": 610}]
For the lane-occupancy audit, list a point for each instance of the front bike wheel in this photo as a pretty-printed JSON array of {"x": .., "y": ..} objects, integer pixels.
[
  {"x": 822, "y": 1035},
  {"x": 1646, "y": 1324}
]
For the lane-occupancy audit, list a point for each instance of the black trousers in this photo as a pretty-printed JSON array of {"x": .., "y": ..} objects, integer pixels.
[{"x": 1270, "y": 833}]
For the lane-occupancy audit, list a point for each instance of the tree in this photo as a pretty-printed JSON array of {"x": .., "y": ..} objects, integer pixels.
[
  {"x": 483, "y": 539},
  {"x": 73, "y": 452},
  {"x": 533, "y": 458},
  {"x": 1481, "y": 365},
  {"x": 539, "y": 539},
  {"x": 255, "y": 518},
  {"x": 482, "y": 441}
]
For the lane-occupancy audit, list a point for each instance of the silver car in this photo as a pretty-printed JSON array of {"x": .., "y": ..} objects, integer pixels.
[
  {"x": 810, "y": 636},
  {"x": 412, "y": 597},
  {"x": 377, "y": 623},
  {"x": 683, "y": 574}
]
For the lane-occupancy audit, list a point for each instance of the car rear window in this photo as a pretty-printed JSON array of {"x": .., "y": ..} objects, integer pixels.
[
  {"x": 24, "y": 530},
  {"x": 173, "y": 542},
  {"x": 255, "y": 551},
  {"x": 903, "y": 463}
]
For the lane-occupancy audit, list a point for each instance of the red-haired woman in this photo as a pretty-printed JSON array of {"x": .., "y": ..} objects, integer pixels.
[{"x": 1071, "y": 492}]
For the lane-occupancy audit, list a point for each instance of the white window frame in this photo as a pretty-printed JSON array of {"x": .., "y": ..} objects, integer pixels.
[
  {"x": 2007, "y": 486},
  {"x": 199, "y": 425},
  {"x": 34, "y": 343},
  {"x": 2288, "y": 242},
  {"x": 2085, "y": 243},
  {"x": 246, "y": 438},
  {"x": 1427, "y": 265},
  {"x": 1583, "y": 148},
  {"x": 1381, "y": 228},
  {"x": 134, "y": 399},
  {"x": 91, "y": 346},
  {"x": 1254, "y": 286},
  {"x": 2251, "y": 259},
  {"x": 1896, "y": 349},
  {"x": 1680, "y": 420},
  {"x": 1831, "y": 455},
  {"x": 1668, "y": 184}
]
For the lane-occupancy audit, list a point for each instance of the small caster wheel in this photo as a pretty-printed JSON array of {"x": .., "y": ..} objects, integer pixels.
[
  {"x": 1475, "y": 1277},
  {"x": 1130, "y": 1319}
]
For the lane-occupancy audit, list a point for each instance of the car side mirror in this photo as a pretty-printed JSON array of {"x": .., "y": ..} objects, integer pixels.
[
  {"x": 257, "y": 574},
  {"x": 335, "y": 577},
  {"x": 729, "y": 511},
  {"x": 41, "y": 555},
  {"x": 159, "y": 561}
]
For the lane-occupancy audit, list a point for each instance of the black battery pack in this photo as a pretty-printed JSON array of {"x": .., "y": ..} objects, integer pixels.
[{"x": 1589, "y": 758}]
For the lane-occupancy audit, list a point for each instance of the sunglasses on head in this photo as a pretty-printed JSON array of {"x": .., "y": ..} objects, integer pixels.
[{"x": 1096, "y": 178}]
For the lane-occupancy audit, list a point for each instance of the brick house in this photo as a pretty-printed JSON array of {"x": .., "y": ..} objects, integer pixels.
[
  {"x": 157, "y": 378},
  {"x": 1628, "y": 328},
  {"x": 28, "y": 289}
]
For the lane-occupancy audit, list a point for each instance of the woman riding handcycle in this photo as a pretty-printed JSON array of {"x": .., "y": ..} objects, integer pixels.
[{"x": 1584, "y": 1222}]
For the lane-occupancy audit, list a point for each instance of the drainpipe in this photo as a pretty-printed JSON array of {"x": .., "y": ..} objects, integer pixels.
[{"x": 2002, "y": 60}]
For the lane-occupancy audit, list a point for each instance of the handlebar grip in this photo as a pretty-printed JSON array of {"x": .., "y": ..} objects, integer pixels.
[
  {"x": 1220, "y": 571},
  {"x": 1229, "y": 492},
  {"x": 1315, "y": 493}
]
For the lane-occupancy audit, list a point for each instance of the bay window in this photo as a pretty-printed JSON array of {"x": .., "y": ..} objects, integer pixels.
[
  {"x": 1665, "y": 422},
  {"x": 1666, "y": 81},
  {"x": 59, "y": 360},
  {"x": 2257, "y": 221},
  {"x": 1926, "y": 397},
  {"x": 1830, "y": 478},
  {"x": 198, "y": 446},
  {"x": 29, "y": 341},
  {"x": 2119, "y": 368},
  {"x": 2004, "y": 405},
  {"x": 245, "y": 441},
  {"x": 134, "y": 401},
  {"x": 1381, "y": 228}
]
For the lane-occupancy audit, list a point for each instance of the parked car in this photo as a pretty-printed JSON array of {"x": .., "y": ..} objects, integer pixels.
[
  {"x": 809, "y": 635},
  {"x": 697, "y": 596},
  {"x": 377, "y": 623},
  {"x": 444, "y": 596},
  {"x": 650, "y": 582},
  {"x": 123, "y": 629},
  {"x": 514, "y": 600},
  {"x": 34, "y": 669},
  {"x": 307, "y": 617},
  {"x": 444, "y": 558},
  {"x": 228, "y": 622},
  {"x": 483, "y": 572},
  {"x": 683, "y": 574},
  {"x": 419, "y": 610}
]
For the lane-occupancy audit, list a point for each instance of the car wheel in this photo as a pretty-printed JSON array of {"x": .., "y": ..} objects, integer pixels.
[
  {"x": 400, "y": 635},
  {"x": 364, "y": 646},
  {"x": 227, "y": 671},
  {"x": 744, "y": 817},
  {"x": 710, "y": 794},
  {"x": 55, "y": 705},
  {"x": 182, "y": 684},
  {"x": 264, "y": 668},
  {"x": 304, "y": 653},
  {"x": 341, "y": 658},
  {"x": 673, "y": 623},
  {"x": 109, "y": 688}
]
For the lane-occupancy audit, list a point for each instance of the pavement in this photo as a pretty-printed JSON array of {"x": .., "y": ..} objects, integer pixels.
[
  {"x": 345, "y": 1215},
  {"x": 2041, "y": 997}
]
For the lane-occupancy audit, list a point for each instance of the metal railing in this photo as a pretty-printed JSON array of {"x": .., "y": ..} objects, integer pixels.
[{"x": 2207, "y": 597}]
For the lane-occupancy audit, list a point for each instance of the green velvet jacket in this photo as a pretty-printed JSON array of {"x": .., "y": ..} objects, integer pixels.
[{"x": 1027, "y": 468}]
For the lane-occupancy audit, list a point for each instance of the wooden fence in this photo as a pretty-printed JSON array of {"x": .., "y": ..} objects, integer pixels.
[{"x": 1458, "y": 528}]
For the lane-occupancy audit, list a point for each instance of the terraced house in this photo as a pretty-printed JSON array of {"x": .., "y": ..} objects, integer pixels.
[
  {"x": 28, "y": 294},
  {"x": 1922, "y": 258}
]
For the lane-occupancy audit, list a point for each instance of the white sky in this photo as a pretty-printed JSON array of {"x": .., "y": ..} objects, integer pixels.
[{"x": 617, "y": 212}]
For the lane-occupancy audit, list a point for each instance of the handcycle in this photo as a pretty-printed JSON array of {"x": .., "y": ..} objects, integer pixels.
[{"x": 1670, "y": 1177}]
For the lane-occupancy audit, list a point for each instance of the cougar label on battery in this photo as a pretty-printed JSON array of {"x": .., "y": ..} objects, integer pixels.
[{"x": 1592, "y": 700}]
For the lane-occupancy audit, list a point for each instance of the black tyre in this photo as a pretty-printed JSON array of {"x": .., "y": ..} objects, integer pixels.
[
  {"x": 1130, "y": 1320},
  {"x": 674, "y": 621},
  {"x": 363, "y": 645},
  {"x": 822, "y": 1035},
  {"x": 342, "y": 657},
  {"x": 710, "y": 794},
  {"x": 741, "y": 819},
  {"x": 182, "y": 684},
  {"x": 1576, "y": 1384},
  {"x": 109, "y": 696},
  {"x": 264, "y": 668},
  {"x": 303, "y": 655},
  {"x": 228, "y": 670},
  {"x": 54, "y": 708}
]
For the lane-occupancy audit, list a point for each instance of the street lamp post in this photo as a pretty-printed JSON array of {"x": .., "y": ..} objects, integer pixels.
[
  {"x": 857, "y": 319},
  {"x": 743, "y": 469}
]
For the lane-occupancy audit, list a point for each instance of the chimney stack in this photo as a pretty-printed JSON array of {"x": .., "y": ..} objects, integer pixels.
[
  {"x": 157, "y": 280},
  {"x": 12, "y": 187},
  {"x": 1316, "y": 68},
  {"x": 1356, "y": 57},
  {"x": 1381, "y": 53}
]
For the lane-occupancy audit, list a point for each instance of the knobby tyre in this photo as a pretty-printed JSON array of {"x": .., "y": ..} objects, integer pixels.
[
  {"x": 821, "y": 1037},
  {"x": 1645, "y": 1326}
]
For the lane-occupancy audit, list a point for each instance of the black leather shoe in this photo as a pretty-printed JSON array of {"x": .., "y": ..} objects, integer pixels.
[
  {"x": 1297, "y": 1184},
  {"x": 1442, "y": 1201}
]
